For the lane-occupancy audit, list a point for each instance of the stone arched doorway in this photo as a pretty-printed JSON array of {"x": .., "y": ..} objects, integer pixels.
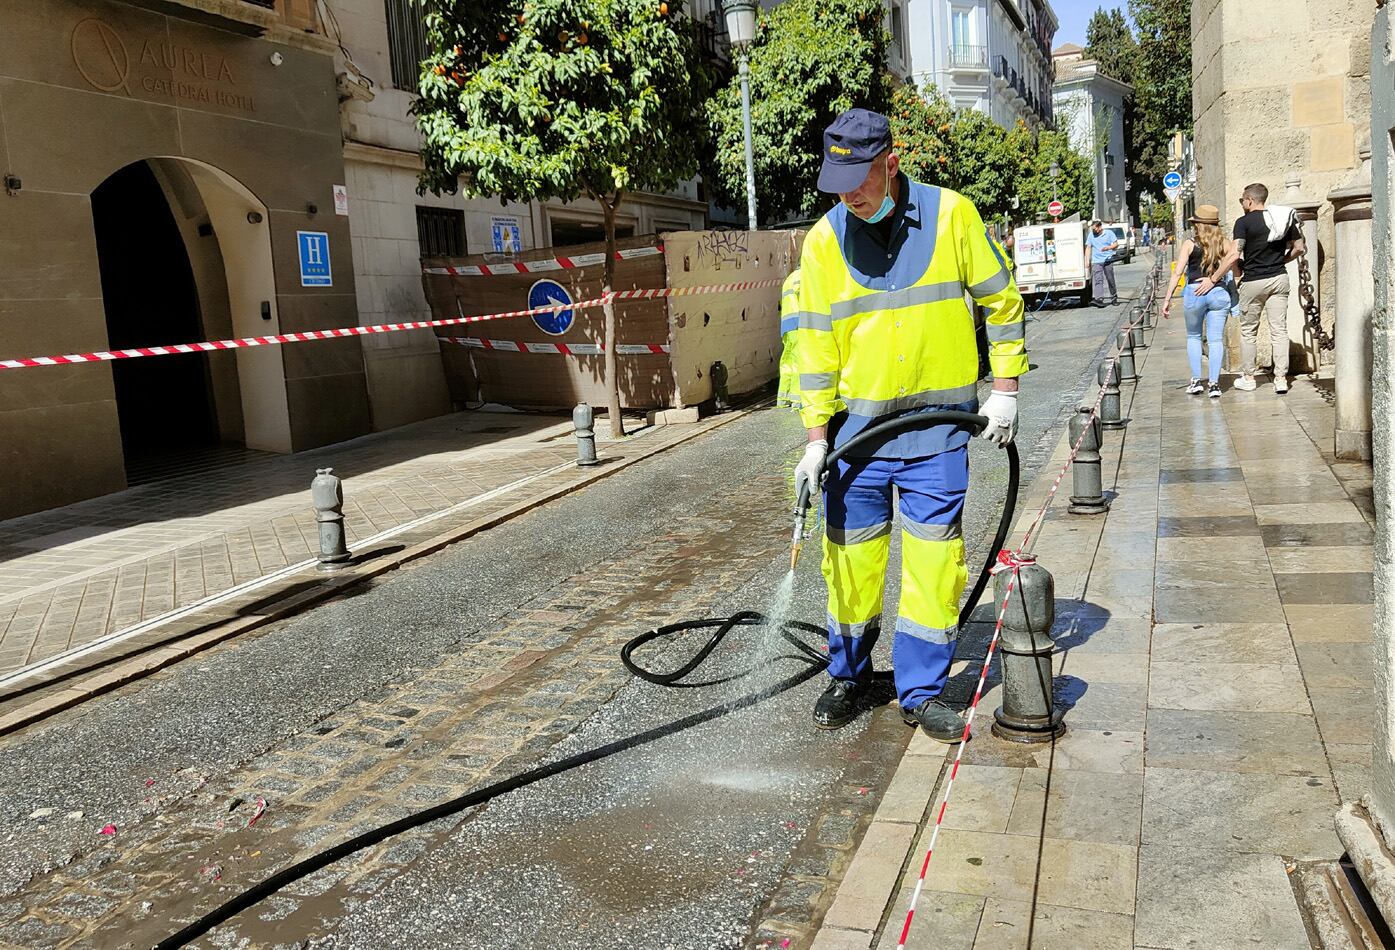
[{"x": 185, "y": 255}]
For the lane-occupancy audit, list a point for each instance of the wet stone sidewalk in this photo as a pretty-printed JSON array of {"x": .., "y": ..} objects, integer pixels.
[{"x": 1213, "y": 634}]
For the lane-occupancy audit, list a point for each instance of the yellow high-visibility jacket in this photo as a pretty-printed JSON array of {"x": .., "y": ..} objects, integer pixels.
[
  {"x": 788, "y": 393},
  {"x": 883, "y": 328}
]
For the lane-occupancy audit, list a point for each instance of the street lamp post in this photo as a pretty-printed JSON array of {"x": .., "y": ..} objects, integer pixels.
[
  {"x": 1055, "y": 172},
  {"x": 741, "y": 31}
]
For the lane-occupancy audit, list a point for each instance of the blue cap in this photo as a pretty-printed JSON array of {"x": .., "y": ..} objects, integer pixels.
[{"x": 850, "y": 145}]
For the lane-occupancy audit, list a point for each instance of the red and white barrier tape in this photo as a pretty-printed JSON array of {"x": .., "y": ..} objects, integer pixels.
[
  {"x": 101, "y": 356},
  {"x": 1007, "y": 561},
  {"x": 543, "y": 266},
  {"x": 565, "y": 349}
]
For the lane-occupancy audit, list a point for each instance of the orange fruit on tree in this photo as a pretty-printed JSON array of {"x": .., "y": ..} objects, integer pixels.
[
  {"x": 440, "y": 70},
  {"x": 663, "y": 9}
]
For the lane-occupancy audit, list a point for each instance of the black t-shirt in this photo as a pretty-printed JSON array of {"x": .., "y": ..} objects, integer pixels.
[{"x": 1263, "y": 258}]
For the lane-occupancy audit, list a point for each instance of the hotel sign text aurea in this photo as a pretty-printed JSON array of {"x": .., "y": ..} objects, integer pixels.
[{"x": 109, "y": 63}]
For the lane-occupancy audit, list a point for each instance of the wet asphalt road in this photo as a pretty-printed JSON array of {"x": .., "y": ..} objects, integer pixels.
[{"x": 642, "y": 849}]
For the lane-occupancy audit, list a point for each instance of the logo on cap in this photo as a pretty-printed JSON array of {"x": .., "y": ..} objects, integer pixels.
[{"x": 839, "y": 150}]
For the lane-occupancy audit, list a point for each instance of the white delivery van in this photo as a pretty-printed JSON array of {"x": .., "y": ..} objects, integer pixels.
[{"x": 1052, "y": 259}]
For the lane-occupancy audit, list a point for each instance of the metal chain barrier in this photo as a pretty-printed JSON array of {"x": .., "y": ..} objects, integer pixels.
[{"x": 1307, "y": 299}]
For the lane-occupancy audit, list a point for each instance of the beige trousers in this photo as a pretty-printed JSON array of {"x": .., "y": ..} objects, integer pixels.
[{"x": 1267, "y": 298}]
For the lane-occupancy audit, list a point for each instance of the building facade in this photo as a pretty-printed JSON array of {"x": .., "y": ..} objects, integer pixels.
[
  {"x": 195, "y": 170},
  {"x": 1281, "y": 89},
  {"x": 1089, "y": 107},
  {"x": 169, "y": 177},
  {"x": 989, "y": 55}
]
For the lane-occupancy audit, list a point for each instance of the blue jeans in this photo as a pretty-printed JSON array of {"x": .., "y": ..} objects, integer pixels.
[{"x": 1210, "y": 310}]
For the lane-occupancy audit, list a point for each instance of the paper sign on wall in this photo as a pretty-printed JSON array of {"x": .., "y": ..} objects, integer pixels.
[
  {"x": 341, "y": 199},
  {"x": 508, "y": 234}
]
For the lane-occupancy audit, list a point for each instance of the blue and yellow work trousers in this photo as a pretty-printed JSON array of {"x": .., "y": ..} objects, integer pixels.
[{"x": 857, "y": 542}]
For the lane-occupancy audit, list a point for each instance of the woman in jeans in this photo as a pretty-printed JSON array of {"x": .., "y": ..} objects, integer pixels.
[{"x": 1201, "y": 252}]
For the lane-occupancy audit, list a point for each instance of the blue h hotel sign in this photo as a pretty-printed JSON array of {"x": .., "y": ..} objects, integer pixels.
[{"x": 314, "y": 259}]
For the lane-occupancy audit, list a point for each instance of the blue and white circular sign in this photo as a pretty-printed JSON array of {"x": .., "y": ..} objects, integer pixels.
[
  {"x": 549, "y": 293},
  {"x": 1172, "y": 180}
]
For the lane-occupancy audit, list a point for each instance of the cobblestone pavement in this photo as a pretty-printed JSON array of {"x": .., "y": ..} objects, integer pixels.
[
  {"x": 1213, "y": 637},
  {"x": 467, "y": 667},
  {"x": 73, "y": 574}
]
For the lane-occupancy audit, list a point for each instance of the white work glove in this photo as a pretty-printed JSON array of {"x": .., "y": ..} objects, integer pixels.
[
  {"x": 1001, "y": 410},
  {"x": 810, "y": 467}
]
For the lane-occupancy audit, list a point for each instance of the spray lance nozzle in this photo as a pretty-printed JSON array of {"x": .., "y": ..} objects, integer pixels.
[{"x": 801, "y": 512}]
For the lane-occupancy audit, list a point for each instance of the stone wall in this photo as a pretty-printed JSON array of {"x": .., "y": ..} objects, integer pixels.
[{"x": 1280, "y": 87}]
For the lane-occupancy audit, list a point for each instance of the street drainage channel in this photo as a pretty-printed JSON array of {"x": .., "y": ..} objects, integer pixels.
[{"x": 679, "y": 783}]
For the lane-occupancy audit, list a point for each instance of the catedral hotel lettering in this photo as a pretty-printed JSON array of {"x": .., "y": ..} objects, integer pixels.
[
  {"x": 160, "y": 163},
  {"x": 105, "y": 59}
]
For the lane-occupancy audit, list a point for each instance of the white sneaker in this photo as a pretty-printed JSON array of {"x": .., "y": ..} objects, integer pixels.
[
  {"x": 1244, "y": 383},
  {"x": 1195, "y": 388},
  {"x": 1215, "y": 391},
  {"x": 1280, "y": 385}
]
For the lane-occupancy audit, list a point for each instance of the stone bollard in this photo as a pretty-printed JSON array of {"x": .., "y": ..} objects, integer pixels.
[
  {"x": 721, "y": 402},
  {"x": 1110, "y": 405},
  {"x": 1028, "y": 712},
  {"x": 327, "y": 495},
  {"x": 1087, "y": 477},
  {"x": 584, "y": 421},
  {"x": 1128, "y": 370}
]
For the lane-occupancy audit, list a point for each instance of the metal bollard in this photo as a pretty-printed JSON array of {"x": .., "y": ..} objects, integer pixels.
[
  {"x": 1110, "y": 404},
  {"x": 584, "y": 421},
  {"x": 1028, "y": 712},
  {"x": 1137, "y": 334},
  {"x": 327, "y": 495},
  {"x": 721, "y": 402},
  {"x": 1087, "y": 477},
  {"x": 1128, "y": 369}
]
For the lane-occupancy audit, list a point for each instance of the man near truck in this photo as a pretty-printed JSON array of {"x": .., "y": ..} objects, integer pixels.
[
  {"x": 1103, "y": 244},
  {"x": 883, "y": 330}
]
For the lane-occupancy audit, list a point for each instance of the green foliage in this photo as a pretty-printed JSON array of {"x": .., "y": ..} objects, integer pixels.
[
  {"x": 1075, "y": 187},
  {"x": 811, "y": 60},
  {"x": 967, "y": 151},
  {"x": 1110, "y": 42},
  {"x": 963, "y": 150},
  {"x": 1162, "y": 84},
  {"x": 558, "y": 98},
  {"x": 1159, "y": 215}
]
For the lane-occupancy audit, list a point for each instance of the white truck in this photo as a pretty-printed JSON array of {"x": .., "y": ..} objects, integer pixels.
[{"x": 1052, "y": 259}]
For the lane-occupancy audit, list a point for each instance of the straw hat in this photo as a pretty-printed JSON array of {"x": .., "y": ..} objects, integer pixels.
[{"x": 1206, "y": 214}]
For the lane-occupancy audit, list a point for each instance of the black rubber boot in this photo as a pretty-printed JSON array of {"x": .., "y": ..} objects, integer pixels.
[
  {"x": 839, "y": 704},
  {"x": 939, "y": 721}
]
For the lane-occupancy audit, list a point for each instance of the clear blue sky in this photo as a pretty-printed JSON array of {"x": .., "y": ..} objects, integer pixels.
[{"x": 1075, "y": 15}]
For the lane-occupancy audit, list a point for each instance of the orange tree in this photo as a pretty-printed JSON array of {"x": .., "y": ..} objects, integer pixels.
[
  {"x": 559, "y": 99},
  {"x": 960, "y": 149}
]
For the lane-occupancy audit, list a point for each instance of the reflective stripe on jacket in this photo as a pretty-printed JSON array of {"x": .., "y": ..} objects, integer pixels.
[
  {"x": 883, "y": 328},
  {"x": 788, "y": 393}
]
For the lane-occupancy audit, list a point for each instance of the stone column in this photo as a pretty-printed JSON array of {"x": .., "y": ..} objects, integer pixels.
[
  {"x": 1351, "y": 206},
  {"x": 1367, "y": 829},
  {"x": 1303, "y": 351}
]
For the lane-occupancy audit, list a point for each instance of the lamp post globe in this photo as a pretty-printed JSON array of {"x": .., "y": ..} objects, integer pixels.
[{"x": 741, "y": 32}]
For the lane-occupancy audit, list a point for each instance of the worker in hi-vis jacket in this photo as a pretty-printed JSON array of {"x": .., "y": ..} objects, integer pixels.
[{"x": 883, "y": 329}]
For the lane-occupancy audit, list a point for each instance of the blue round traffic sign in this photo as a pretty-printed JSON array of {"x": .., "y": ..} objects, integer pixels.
[
  {"x": 549, "y": 293},
  {"x": 1172, "y": 180}
]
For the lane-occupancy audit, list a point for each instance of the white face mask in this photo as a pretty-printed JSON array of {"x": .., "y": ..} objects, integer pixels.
[{"x": 887, "y": 205}]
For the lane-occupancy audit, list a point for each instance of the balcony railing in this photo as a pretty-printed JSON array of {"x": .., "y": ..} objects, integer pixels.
[
  {"x": 968, "y": 57},
  {"x": 1000, "y": 67}
]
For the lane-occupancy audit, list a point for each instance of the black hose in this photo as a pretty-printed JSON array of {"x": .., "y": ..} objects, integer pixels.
[{"x": 815, "y": 664}]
